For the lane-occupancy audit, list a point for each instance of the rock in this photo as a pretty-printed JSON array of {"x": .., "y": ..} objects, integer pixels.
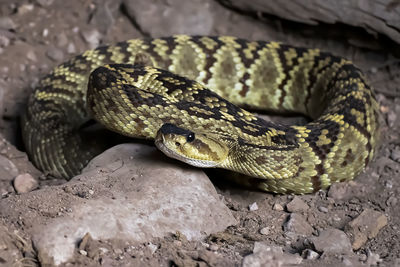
[
  {"x": 266, "y": 255},
  {"x": 277, "y": 207},
  {"x": 296, "y": 205},
  {"x": 139, "y": 195},
  {"x": 55, "y": 54},
  {"x": 8, "y": 170},
  {"x": 309, "y": 254},
  {"x": 31, "y": 56},
  {"x": 92, "y": 37},
  {"x": 253, "y": 207},
  {"x": 395, "y": 154},
  {"x": 25, "y": 8},
  {"x": 4, "y": 41},
  {"x": 7, "y": 23},
  {"x": 323, "y": 209},
  {"x": 45, "y": 2},
  {"x": 373, "y": 258},
  {"x": 264, "y": 231},
  {"x": 172, "y": 17},
  {"x": 332, "y": 241},
  {"x": 25, "y": 183},
  {"x": 344, "y": 191},
  {"x": 365, "y": 226},
  {"x": 297, "y": 225}
]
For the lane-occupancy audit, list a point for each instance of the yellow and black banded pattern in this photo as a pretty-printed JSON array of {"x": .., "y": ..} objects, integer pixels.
[{"x": 137, "y": 100}]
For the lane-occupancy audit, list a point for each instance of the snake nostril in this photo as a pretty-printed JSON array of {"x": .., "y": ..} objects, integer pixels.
[{"x": 177, "y": 144}]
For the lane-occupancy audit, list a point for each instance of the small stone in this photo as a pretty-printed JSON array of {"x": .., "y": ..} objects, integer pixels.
[
  {"x": 45, "y": 32},
  {"x": 118, "y": 251},
  {"x": 253, "y": 207},
  {"x": 395, "y": 154},
  {"x": 332, "y": 241},
  {"x": 152, "y": 247},
  {"x": 343, "y": 191},
  {"x": 323, "y": 209},
  {"x": 214, "y": 247},
  {"x": 25, "y": 8},
  {"x": 4, "y": 41},
  {"x": 391, "y": 118},
  {"x": 365, "y": 226},
  {"x": 373, "y": 258},
  {"x": 61, "y": 39},
  {"x": 391, "y": 201},
  {"x": 297, "y": 225},
  {"x": 264, "y": 231},
  {"x": 55, "y": 54},
  {"x": 297, "y": 205},
  {"x": 8, "y": 170},
  {"x": 83, "y": 252},
  {"x": 277, "y": 207},
  {"x": 31, "y": 56},
  {"x": 71, "y": 49},
  {"x": 7, "y": 23},
  {"x": 309, "y": 254},
  {"x": 25, "y": 183},
  {"x": 266, "y": 255},
  {"x": 45, "y": 2},
  {"x": 92, "y": 37}
]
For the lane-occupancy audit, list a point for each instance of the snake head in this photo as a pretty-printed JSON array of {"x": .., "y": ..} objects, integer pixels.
[{"x": 196, "y": 149}]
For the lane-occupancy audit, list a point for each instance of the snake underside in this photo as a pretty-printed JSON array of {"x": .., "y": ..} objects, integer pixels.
[{"x": 136, "y": 100}]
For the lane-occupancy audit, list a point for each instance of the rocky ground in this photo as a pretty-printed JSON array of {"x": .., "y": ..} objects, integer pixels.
[{"x": 132, "y": 206}]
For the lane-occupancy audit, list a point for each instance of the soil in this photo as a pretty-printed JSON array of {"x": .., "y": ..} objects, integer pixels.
[{"x": 35, "y": 36}]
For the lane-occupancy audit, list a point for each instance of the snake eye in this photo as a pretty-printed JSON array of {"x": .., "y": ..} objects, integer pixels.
[{"x": 190, "y": 137}]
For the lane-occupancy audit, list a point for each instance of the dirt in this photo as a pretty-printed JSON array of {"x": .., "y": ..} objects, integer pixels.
[{"x": 37, "y": 35}]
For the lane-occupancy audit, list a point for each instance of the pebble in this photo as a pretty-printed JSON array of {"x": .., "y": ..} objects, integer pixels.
[
  {"x": 55, "y": 54},
  {"x": 323, "y": 209},
  {"x": 7, "y": 23},
  {"x": 83, "y": 252},
  {"x": 45, "y": 2},
  {"x": 264, "y": 231},
  {"x": 391, "y": 201},
  {"x": 395, "y": 154},
  {"x": 71, "y": 49},
  {"x": 92, "y": 37},
  {"x": 297, "y": 225},
  {"x": 332, "y": 241},
  {"x": 153, "y": 248},
  {"x": 342, "y": 191},
  {"x": 214, "y": 247},
  {"x": 266, "y": 255},
  {"x": 297, "y": 205},
  {"x": 8, "y": 170},
  {"x": 373, "y": 258},
  {"x": 253, "y": 207},
  {"x": 277, "y": 207},
  {"x": 31, "y": 56},
  {"x": 25, "y": 8},
  {"x": 25, "y": 183},
  {"x": 309, "y": 254},
  {"x": 391, "y": 118},
  {"x": 365, "y": 226}
]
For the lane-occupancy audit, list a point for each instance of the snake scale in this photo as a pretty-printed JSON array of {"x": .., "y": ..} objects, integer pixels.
[{"x": 157, "y": 89}]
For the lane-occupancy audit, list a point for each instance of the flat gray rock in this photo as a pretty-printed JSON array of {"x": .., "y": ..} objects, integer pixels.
[{"x": 130, "y": 192}]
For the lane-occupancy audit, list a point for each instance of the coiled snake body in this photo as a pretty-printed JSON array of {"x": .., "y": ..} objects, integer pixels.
[{"x": 137, "y": 100}]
